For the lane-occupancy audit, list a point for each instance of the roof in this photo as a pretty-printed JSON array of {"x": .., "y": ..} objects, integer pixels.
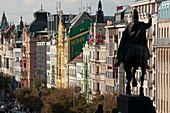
[
  {"x": 129, "y": 9},
  {"x": 79, "y": 58},
  {"x": 41, "y": 11},
  {"x": 4, "y": 24},
  {"x": 10, "y": 29},
  {"x": 40, "y": 21},
  {"x": 78, "y": 19},
  {"x": 8, "y": 33}
]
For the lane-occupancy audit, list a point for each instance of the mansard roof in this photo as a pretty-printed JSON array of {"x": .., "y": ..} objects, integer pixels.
[{"x": 40, "y": 21}]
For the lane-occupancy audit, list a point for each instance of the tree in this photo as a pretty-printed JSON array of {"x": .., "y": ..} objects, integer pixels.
[
  {"x": 30, "y": 98},
  {"x": 61, "y": 101},
  {"x": 5, "y": 81},
  {"x": 38, "y": 82},
  {"x": 108, "y": 100}
]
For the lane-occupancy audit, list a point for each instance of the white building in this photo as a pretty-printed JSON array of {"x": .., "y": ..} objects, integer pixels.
[
  {"x": 51, "y": 63},
  {"x": 17, "y": 54}
]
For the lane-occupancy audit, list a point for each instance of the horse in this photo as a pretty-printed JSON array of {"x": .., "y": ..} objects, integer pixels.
[{"x": 136, "y": 56}]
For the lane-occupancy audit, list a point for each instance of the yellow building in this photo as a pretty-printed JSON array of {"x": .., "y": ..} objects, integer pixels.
[{"x": 60, "y": 55}]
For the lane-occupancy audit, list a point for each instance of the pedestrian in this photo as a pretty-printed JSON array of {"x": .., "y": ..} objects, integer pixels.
[
  {"x": 100, "y": 109},
  {"x": 115, "y": 110}
]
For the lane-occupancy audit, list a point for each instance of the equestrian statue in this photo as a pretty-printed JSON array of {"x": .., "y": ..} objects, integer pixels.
[{"x": 133, "y": 51}]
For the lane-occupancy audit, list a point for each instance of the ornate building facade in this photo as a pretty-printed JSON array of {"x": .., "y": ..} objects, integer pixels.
[
  {"x": 162, "y": 59},
  {"x": 97, "y": 55}
]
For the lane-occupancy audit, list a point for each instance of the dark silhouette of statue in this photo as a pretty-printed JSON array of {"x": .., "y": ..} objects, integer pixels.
[
  {"x": 133, "y": 51},
  {"x": 100, "y": 109}
]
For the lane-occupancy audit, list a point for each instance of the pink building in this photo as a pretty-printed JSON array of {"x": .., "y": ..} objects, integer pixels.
[{"x": 31, "y": 35}]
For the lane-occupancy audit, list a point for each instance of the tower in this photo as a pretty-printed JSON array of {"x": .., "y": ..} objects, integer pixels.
[{"x": 99, "y": 14}]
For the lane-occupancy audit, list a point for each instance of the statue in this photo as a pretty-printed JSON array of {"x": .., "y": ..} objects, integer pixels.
[{"x": 133, "y": 51}]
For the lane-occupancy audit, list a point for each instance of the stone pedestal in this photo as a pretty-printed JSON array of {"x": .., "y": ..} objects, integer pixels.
[{"x": 134, "y": 104}]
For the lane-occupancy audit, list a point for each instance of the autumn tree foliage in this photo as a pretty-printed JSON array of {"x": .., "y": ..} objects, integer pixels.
[
  {"x": 61, "y": 101},
  {"x": 5, "y": 81},
  {"x": 108, "y": 100},
  {"x": 64, "y": 100},
  {"x": 30, "y": 98}
]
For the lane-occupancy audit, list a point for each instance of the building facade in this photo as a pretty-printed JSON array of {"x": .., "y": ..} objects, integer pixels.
[
  {"x": 86, "y": 69},
  {"x": 41, "y": 60},
  {"x": 31, "y": 35},
  {"x": 162, "y": 59},
  {"x": 97, "y": 55},
  {"x": 61, "y": 54}
]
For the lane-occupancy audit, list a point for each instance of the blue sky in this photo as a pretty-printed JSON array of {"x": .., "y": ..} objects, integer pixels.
[{"x": 15, "y": 8}]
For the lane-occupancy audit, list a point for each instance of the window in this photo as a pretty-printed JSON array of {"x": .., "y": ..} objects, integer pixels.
[
  {"x": 142, "y": 9},
  {"x": 153, "y": 7},
  {"x": 97, "y": 70},
  {"x": 109, "y": 88},
  {"x": 7, "y": 62},
  {"x": 167, "y": 32},
  {"x": 48, "y": 48},
  {"x": 109, "y": 60},
  {"x": 164, "y": 32},
  {"x": 145, "y": 9},
  {"x": 93, "y": 86},
  {"x": 97, "y": 55},
  {"x": 48, "y": 57},
  {"x": 93, "y": 54},
  {"x": 98, "y": 87},
  {"x": 159, "y": 33},
  {"x": 107, "y": 46},
  {"x": 48, "y": 66},
  {"x": 86, "y": 73}
]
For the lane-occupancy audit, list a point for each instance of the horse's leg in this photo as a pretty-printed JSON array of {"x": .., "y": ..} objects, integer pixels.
[
  {"x": 134, "y": 83},
  {"x": 128, "y": 77},
  {"x": 142, "y": 79}
]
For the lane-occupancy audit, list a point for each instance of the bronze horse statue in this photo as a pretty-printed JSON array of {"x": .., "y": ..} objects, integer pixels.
[
  {"x": 137, "y": 57},
  {"x": 133, "y": 51}
]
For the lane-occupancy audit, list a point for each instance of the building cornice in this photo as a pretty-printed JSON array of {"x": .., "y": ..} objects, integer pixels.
[
  {"x": 143, "y": 2},
  {"x": 164, "y": 20}
]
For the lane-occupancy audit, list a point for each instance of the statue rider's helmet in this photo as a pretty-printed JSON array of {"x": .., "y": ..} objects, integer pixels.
[{"x": 135, "y": 15}]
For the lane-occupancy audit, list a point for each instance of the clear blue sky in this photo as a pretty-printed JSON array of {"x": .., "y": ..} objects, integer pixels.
[{"x": 15, "y": 8}]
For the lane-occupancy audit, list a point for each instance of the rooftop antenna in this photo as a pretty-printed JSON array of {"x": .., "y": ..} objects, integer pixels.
[
  {"x": 57, "y": 7},
  {"x": 90, "y": 8},
  {"x": 60, "y": 5},
  {"x": 81, "y": 5},
  {"x": 41, "y": 5},
  {"x": 87, "y": 8},
  {"x": 79, "y": 10}
]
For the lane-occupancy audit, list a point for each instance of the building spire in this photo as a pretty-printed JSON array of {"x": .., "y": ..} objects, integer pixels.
[
  {"x": 99, "y": 14},
  {"x": 21, "y": 18},
  {"x": 100, "y": 6}
]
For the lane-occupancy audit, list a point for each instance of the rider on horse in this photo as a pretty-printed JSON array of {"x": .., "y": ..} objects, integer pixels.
[{"x": 135, "y": 33}]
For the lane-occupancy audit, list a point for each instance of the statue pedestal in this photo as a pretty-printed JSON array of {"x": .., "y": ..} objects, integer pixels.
[{"x": 134, "y": 104}]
